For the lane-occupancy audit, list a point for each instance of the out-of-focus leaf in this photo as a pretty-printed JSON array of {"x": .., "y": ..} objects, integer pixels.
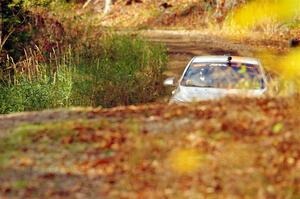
[{"x": 277, "y": 127}]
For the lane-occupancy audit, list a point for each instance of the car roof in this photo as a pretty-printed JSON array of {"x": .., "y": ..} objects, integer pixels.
[{"x": 224, "y": 58}]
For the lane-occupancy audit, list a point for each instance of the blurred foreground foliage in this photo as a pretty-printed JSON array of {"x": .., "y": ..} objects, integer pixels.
[
  {"x": 271, "y": 16},
  {"x": 231, "y": 148},
  {"x": 263, "y": 13}
]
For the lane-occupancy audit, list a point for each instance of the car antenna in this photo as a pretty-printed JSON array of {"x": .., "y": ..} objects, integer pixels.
[{"x": 229, "y": 60}]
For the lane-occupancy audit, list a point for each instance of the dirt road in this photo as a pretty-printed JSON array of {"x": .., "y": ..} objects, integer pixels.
[{"x": 183, "y": 45}]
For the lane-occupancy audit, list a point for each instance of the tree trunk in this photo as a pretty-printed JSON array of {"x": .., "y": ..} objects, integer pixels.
[{"x": 107, "y": 6}]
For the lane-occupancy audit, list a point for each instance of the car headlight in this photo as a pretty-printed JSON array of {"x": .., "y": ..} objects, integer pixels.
[{"x": 175, "y": 101}]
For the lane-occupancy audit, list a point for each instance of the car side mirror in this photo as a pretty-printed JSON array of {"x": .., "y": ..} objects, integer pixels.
[{"x": 170, "y": 81}]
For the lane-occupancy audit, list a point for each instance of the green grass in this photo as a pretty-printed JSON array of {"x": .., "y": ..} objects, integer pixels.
[
  {"x": 122, "y": 71},
  {"x": 38, "y": 92},
  {"x": 109, "y": 71}
]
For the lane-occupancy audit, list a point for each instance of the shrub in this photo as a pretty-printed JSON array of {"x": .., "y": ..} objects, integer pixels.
[
  {"x": 37, "y": 92},
  {"x": 14, "y": 36},
  {"x": 115, "y": 70},
  {"x": 124, "y": 71},
  {"x": 11, "y": 100}
]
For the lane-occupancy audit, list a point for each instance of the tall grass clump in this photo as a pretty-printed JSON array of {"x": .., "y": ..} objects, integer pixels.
[
  {"x": 36, "y": 86},
  {"x": 119, "y": 70},
  {"x": 110, "y": 71}
]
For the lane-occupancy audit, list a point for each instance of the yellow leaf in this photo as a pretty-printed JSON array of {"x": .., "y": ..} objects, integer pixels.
[{"x": 185, "y": 160}]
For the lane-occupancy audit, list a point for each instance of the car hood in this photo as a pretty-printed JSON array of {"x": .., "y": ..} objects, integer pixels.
[{"x": 190, "y": 94}]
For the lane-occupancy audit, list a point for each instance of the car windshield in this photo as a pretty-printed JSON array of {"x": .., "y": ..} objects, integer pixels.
[{"x": 224, "y": 75}]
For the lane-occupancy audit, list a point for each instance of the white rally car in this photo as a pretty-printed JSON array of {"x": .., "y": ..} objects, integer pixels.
[{"x": 213, "y": 77}]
